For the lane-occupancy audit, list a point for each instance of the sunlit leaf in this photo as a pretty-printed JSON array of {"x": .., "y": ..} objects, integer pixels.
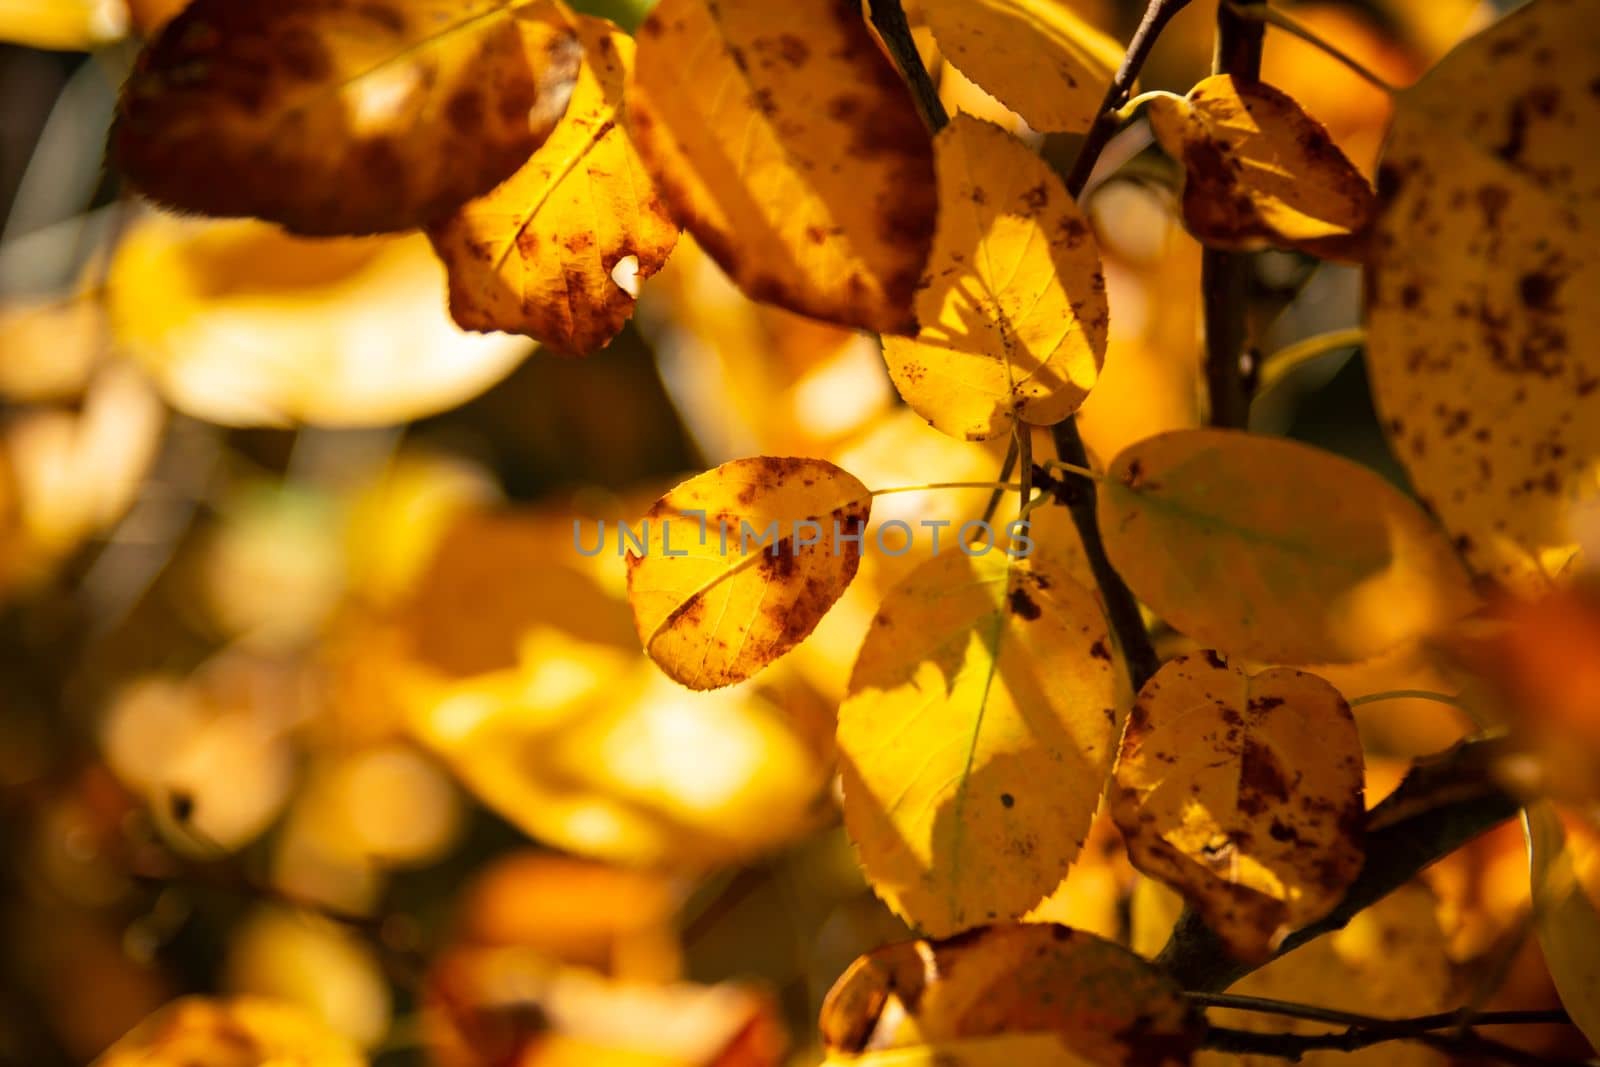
[
  {"x": 242, "y": 324},
  {"x": 70, "y": 25},
  {"x": 315, "y": 964},
  {"x": 976, "y": 737},
  {"x": 228, "y": 1032},
  {"x": 1082, "y": 999},
  {"x": 1390, "y": 961},
  {"x": 1013, "y": 310},
  {"x": 1258, "y": 170},
  {"x": 1565, "y": 916},
  {"x": 1267, "y": 548},
  {"x": 544, "y": 253},
  {"x": 740, "y": 563},
  {"x": 786, "y": 143},
  {"x": 1038, "y": 57},
  {"x": 336, "y": 118},
  {"x": 1244, "y": 792},
  {"x": 1482, "y": 340}
]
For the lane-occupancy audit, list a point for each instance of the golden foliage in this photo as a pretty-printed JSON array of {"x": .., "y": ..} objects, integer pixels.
[
  {"x": 1014, "y": 308},
  {"x": 231, "y": 1032},
  {"x": 557, "y": 251},
  {"x": 1244, "y": 792},
  {"x": 787, "y": 145},
  {"x": 338, "y": 119}
]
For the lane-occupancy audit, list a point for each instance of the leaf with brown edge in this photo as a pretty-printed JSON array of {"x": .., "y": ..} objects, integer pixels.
[
  {"x": 1259, "y": 171},
  {"x": 1013, "y": 308},
  {"x": 1244, "y": 792},
  {"x": 784, "y": 141},
  {"x": 1042, "y": 993},
  {"x": 1483, "y": 337},
  {"x": 337, "y": 118},
  {"x": 227, "y": 1031},
  {"x": 1038, "y": 57},
  {"x": 740, "y": 563},
  {"x": 540, "y": 254},
  {"x": 1271, "y": 549},
  {"x": 975, "y": 737}
]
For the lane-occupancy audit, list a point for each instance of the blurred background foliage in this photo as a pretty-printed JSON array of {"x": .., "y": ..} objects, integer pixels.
[{"x": 305, "y": 693}]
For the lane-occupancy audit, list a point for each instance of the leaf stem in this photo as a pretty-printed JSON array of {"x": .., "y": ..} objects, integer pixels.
[
  {"x": 1157, "y": 14},
  {"x": 1277, "y": 368},
  {"x": 1407, "y": 694},
  {"x": 1024, "y": 439},
  {"x": 889, "y": 19},
  {"x": 999, "y": 487},
  {"x": 1272, "y": 16}
]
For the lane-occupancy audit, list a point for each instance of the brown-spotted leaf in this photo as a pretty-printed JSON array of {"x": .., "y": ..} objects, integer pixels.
[
  {"x": 1483, "y": 334},
  {"x": 785, "y": 142},
  {"x": 338, "y": 118},
  {"x": 1038, "y": 57},
  {"x": 976, "y": 736},
  {"x": 1013, "y": 307},
  {"x": 1243, "y": 792},
  {"x": 1271, "y": 549},
  {"x": 740, "y": 563},
  {"x": 557, "y": 250},
  {"x": 1259, "y": 171},
  {"x": 1043, "y": 993}
]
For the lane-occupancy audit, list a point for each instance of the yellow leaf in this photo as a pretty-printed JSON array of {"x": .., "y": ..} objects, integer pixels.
[
  {"x": 557, "y": 250},
  {"x": 1273, "y": 550},
  {"x": 333, "y": 118},
  {"x": 69, "y": 25},
  {"x": 976, "y": 737},
  {"x": 228, "y": 1032},
  {"x": 1038, "y": 57},
  {"x": 242, "y": 324},
  {"x": 1390, "y": 961},
  {"x": 1566, "y": 917},
  {"x": 740, "y": 563},
  {"x": 924, "y": 1002},
  {"x": 1245, "y": 793},
  {"x": 1259, "y": 171},
  {"x": 785, "y": 142},
  {"x": 1483, "y": 339},
  {"x": 1014, "y": 307}
]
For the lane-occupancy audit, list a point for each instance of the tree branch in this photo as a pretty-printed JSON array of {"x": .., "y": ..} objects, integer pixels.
[
  {"x": 889, "y": 18},
  {"x": 1467, "y": 1044},
  {"x": 1444, "y": 802},
  {"x": 1225, "y": 276},
  {"x": 1122, "y": 610}
]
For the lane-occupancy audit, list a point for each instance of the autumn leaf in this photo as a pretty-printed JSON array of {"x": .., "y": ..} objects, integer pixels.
[
  {"x": 558, "y": 250},
  {"x": 1565, "y": 916},
  {"x": 225, "y": 1032},
  {"x": 785, "y": 142},
  {"x": 1038, "y": 57},
  {"x": 1043, "y": 994},
  {"x": 1259, "y": 171},
  {"x": 333, "y": 118},
  {"x": 1481, "y": 336},
  {"x": 740, "y": 563},
  {"x": 1391, "y": 961},
  {"x": 243, "y": 324},
  {"x": 1014, "y": 306},
  {"x": 1244, "y": 792},
  {"x": 975, "y": 737},
  {"x": 69, "y": 25},
  {"x": 1273, "y": 550}
]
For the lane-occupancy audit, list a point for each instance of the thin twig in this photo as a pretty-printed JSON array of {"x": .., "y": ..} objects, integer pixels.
[
  {"x": 889, "y": 18},
  {"x": 1007, "y": 466},
  {"x": 1024, "y": 438},
  {"x": 1122, "y": 610},
  {"x": 1466, "y": 1043},
  {"x": 1157, "y": 14},
  {"x": 1443, "y": 1020},
  {"x": 1274, "y": 17}
]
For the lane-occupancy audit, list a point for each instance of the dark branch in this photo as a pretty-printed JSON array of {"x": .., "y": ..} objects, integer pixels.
[
  {"x": 1225, "y": 276},
  {"x": 1122, "y": 610},
  {"x": 889, "y": 18},
  {"x": 1466, "y": 1044},
  {"x": 1443, "y": 803},
  {"x": 1443, "y": 1020}
]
